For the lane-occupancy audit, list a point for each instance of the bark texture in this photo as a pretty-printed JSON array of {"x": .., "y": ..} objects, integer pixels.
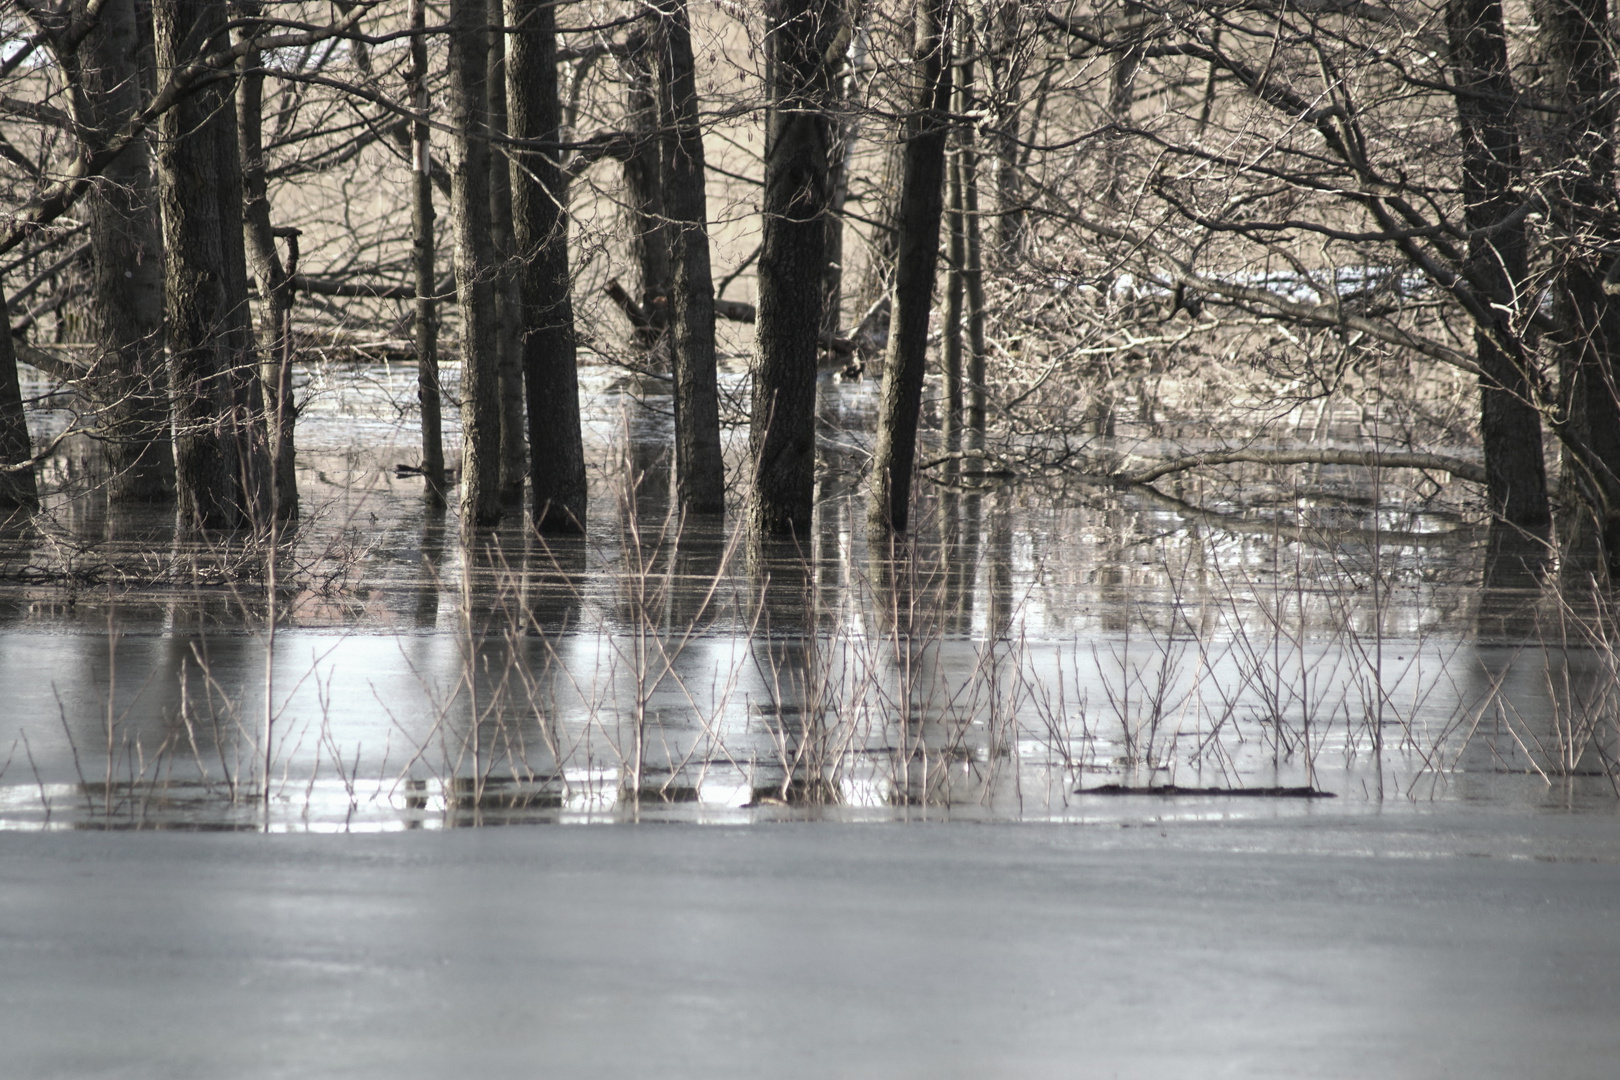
[
  {"x": 18, "y": 488},
  {"x": 426, "y": 322},
  {"x": 211, "y": 379},
  {"x": 540, "y": 220},
  {"x": 700, "y": 476},
  {"x": 1510, "y": 424},
  {"x": 475, "y": 264},
  {"x": 921, "y": 203},
  {"x": 1579, "y": 79},
  {"x": 508, "y": 302},
  {"x": 125, "y": 314},
  {"x": 644, "y": 191},
  {"x": 804, "y": 37}
]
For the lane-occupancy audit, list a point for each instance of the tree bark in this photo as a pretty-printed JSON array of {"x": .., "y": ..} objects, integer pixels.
[
  {"x": 700, "y": 475},
  {"x": 275, "y": 283},
  {"x": 475, "y": 265},
  {"x": 18, "y": 488},
  {"x": 921, "y": 203},
  {"x": 801, "y": 35},
  {"x": 644, "y": 193},
  {"x": 508, "y": 301},
  {"x": 540, "y": 218},
  {"x": 426, "y": 328},
  {"x": 1510, "y": 424},
  {"x": 205, "y": 297},
  {"x": 125, "y": 314},
  {"x": 1579, "y": 75}
]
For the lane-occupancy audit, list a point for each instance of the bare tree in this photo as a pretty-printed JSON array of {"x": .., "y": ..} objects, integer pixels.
[
  {"x": 805, "y": 38},
  {"x": 540, "y": 216},
  {"x": 475, "y": 264},
  {"x": 700, "y": 477},
  {"x": 921, "y": 203}
]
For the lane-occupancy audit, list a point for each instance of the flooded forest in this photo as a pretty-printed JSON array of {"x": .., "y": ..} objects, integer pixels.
[{"x": 420, "y": 414}]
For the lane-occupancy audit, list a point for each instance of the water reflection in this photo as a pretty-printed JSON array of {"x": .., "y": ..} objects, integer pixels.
[{"x": 1024, "y": 643}]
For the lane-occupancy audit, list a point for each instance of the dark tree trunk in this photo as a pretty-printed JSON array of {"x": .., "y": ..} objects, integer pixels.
[
  {"x": 205, "y": 295},
  {"x": 921, "y": 203},
  {"x": 17, "y": 486},
  {"x": 126, "y": 262},
  {"x": 540, "y": 218},
  {"x": 508, "y": 303},
  {"x": 475, "y": 265},
  {"x": 275, "y": 281},
  {"x": 700, "y": 474},
  {"x": 1579, "y": 75},
  {"x": 803, "y": 35},
  {"x": 644, "y": 193},
  {"x": 1510, "y": 424},
  {"x": 426, "y": 327}
]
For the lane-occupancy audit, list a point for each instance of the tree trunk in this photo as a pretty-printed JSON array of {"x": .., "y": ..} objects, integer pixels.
[
  {"x": 426, "y": 329},
  {"x": 275, "y": 282},
  {"x": 126, "y": 262},
  {"x": 1006, "y": 74},
  {"x": 540, "y": 218},
  {"x": 17, "y": 486},
  {"x": 921, "y": 203},
  {"x": 1510, "y": 424},
  {"x": 1579, "y": 74},
  {"x": 801, "y": 35},
  {"x": 847, "y": 133},
  {"x": 508, "y": 302},
  {"x": 644, "y": 193},
  {"x": 700, "y": 475},
  {"x": 205, "y": 297},
  {"x": 475, "y": 265}
]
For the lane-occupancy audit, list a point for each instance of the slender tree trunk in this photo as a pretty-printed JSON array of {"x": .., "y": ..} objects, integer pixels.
[
  {"x": 540, "y": 217},
  {"x": 1121, "y": 98},
  {"x": 475, "y": 265},
  {"x": 802, "y": 36},
  {"x": 848, "y": 129},
  {"x": 956, "y": 256},
  {"x": 972, "y": 248},
  {"x": 422, "y": 249},
  {"x": 508, "y": 301},
  {"x": 126, "y": 257},
  {"x": 17, "y": 484},
  {"x": 205, "y": 296},
  {"x": 1006, "y": 76},
  {"x": 1579, "y": 75},
  {"x": 921, "y": 203},
  {"x": 644, "y": 192},
  {"x": 1510, "y": 424},
  {"x": 275, "y": 283},
  {"x": 700, "y": 474}
]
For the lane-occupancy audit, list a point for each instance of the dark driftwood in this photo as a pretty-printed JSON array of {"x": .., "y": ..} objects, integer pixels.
[
  {"x": 1388, "y": 459},
  {"x": 1174, "y": 789}
]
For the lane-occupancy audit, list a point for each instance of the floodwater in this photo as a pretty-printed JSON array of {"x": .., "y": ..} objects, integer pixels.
[
  {"x": 1039, "y": 650},
  {"x": 1079, "y": 782}
]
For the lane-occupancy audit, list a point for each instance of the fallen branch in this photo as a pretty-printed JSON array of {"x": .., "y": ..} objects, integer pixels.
[{"x": 1372, "y": 459}]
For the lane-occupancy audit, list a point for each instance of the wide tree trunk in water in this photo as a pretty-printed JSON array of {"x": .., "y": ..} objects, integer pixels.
[
  {"x": 474, "y": 251},
  {"x": 921, "y": 202},
  {"x": 275, "y": 281},
  {"x": 426, "y": 323},
  {"x": 17, "y": 486},
  {"x": 700, "y": 475},
  {"x": 125, "y": 313},
  {"x": 644, "y": 192},
  {"x": 1579, "y": 76},
  {"x": 1510, "y": 424},
  {"x": 540, "y": 220},
  {"x": 508, "y": 303},
  {"x": 211, "y": 378},
  {"x": 803, "y": 36}
]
